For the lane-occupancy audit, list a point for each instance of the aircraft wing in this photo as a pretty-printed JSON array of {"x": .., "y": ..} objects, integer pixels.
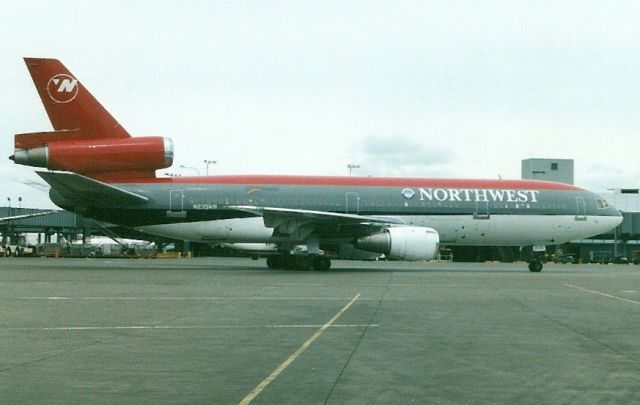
[
  {"x": 273, "y": 213},
  {"x": 302, "y": 222},
  {"x": 78, "y": 188}
]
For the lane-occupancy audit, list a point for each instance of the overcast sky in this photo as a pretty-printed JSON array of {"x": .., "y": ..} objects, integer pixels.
[{"x": 403, "y": 88}]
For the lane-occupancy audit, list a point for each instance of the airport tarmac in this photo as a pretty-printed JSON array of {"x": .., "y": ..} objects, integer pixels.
[{"x": 212, "y": 330}]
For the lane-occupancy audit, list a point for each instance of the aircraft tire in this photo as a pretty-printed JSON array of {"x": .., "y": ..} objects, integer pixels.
[
  {"x": 321, "y": 263},
  {"x": 275, "y": 262},
  {"x": 535, "y": 267},
  {"x": 304, "y": 263},
  {"x": 295, "y": 262},
  {"x": 288, "y": 262}
]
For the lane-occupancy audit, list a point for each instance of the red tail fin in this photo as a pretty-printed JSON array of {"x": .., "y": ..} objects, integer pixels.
[
  {"x": 87, "y": 139},
  {"x": 69, "y": 104}
]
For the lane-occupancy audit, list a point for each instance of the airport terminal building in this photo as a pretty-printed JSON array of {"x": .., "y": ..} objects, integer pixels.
[{"x": 621, "y": 245}]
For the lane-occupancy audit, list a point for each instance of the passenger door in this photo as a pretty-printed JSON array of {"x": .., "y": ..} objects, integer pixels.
[{"x": 176, "y": 204}]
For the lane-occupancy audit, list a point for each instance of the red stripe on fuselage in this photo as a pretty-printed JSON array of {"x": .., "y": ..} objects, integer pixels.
[{"x": 359, "y": 182}]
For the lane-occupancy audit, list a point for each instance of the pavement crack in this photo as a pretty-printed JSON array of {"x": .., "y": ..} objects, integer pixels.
[
  {"x": 62, "y": 353},
  {"x": 360, "y": 338},
  {"x": 569, "y": 327}
]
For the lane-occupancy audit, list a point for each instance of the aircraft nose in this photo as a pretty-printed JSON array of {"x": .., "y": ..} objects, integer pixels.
[
  {"x": 613, "y": 218},
  {"x": 618, "y": 216}
]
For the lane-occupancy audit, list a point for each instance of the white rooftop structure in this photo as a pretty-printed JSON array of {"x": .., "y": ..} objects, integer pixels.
[{"x": 624, "y": 199}]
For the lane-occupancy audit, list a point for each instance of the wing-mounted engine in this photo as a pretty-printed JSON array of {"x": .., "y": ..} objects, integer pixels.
[
  {"x": 97, "y": 158},
  {"x": 403, "y": 242}
]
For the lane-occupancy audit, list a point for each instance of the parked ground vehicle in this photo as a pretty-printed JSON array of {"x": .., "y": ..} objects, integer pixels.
[
  {"x": 603, "y": 257},
  {"x": 621, "y": 259},
  {"x": 568, "y": 258}
]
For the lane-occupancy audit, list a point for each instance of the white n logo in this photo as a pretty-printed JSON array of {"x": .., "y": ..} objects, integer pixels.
[
  {"x": 67, "y": 85},
  {"x": 62, "y": 88}
]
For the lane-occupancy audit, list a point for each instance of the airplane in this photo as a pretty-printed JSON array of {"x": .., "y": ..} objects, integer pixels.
[{"x": 98, "y": 170}]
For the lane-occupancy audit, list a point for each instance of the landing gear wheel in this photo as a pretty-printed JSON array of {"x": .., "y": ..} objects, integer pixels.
[
  {"x": 321, "y": 263},
  {"x": 303, "y": 263},
  {"x": 288, "y": 262},
  {"x": 296, "y": 262},
  {"x": 535, "y": 267},
  {"x": 275, "y": 262}
]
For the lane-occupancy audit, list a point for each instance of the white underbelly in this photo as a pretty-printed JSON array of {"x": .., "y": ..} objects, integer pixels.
[
  {"x": 514, "y": 230},
  {"x": 249, "y": 230},
  {"x": 496, "y": 230}
]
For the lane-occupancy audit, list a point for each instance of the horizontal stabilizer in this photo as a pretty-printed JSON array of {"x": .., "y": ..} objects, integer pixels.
[
  {"x": 81, "y": 189},
  {"x": 35, "y": 139}
]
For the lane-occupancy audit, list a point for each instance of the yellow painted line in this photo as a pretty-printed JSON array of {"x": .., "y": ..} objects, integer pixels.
[
  {"x": 604, "y": 294},
  {"x": 275, "y": 373}
]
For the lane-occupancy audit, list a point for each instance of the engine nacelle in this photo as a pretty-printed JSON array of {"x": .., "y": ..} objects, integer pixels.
[
  {"x": 403, "y": 242},
  {"x": 88, "y": 156}
]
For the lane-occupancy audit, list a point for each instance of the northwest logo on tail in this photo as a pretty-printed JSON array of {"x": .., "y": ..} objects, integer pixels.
[{"x": 62, "y": 88}]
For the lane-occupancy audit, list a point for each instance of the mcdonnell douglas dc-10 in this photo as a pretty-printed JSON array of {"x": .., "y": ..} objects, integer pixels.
[{"x": 98, "y": 170}]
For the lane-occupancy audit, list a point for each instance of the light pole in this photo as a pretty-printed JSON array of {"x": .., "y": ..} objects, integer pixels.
[
  {"x": 352, "y": 166},
  {"x": 6, "y": 239},
  {"x": 190, "y": 167},
  {"x": 210, "y": 162}
]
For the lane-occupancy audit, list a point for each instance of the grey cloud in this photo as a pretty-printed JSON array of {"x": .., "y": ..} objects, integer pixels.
[
  {"x": 402, "y": 150},
  {"x": 396, "y": 155}
]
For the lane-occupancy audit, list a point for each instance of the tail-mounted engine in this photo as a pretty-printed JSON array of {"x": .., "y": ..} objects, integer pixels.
[{"x": 98, "y": 158}]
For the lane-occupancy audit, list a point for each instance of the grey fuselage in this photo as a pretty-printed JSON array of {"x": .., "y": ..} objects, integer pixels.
[{"x": 464, "y": 212}]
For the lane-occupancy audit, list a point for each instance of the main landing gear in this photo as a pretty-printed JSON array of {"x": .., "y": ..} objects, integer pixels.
[
  {"x": 299, "y": 262},
  {"x": 535, "y": 266}
]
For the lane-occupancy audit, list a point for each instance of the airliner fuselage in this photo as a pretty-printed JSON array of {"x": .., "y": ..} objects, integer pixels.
[
  {"x": 464, "y": 212},
  {"x": 97, "y": 169}
]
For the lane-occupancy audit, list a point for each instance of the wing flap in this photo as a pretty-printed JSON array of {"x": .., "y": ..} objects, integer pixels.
[
  {"x": 275, "y": 213},
  {"x": 300, "y": 223}
]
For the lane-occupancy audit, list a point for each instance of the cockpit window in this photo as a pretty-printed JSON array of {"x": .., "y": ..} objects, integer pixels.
[{"x": 602, "y": 204}]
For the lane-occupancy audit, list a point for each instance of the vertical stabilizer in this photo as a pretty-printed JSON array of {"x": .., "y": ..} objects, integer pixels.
[
  {"x": 87, "y": 140},
  {"x": 69, "y": 104}
]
